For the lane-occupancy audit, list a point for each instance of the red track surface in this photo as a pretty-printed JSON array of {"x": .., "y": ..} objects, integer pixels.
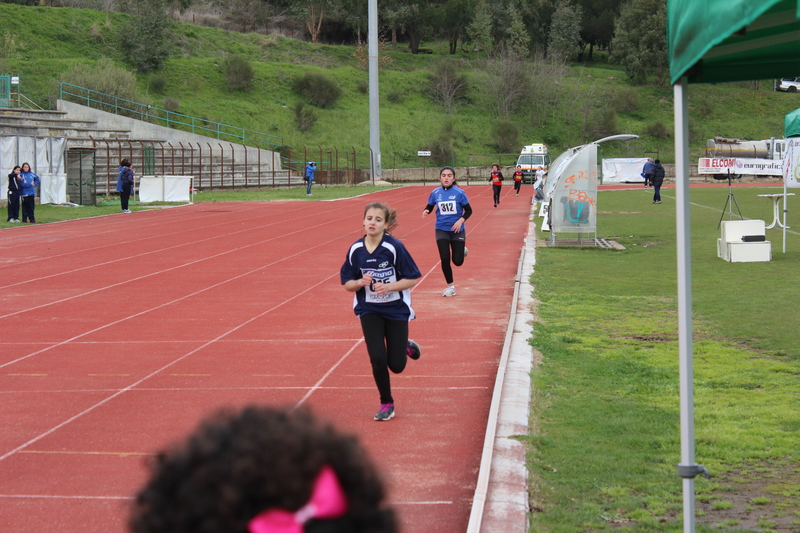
[{"x": 118, "y": 334}]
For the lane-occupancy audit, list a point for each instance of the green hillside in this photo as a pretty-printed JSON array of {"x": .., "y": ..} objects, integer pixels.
[{"x": 589, "y": 101}]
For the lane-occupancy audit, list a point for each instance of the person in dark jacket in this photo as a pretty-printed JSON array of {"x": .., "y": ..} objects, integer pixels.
[
  {"x": 13, "y": 194},
  {"x": 657, "y": 178},
  {"x": 125, "y": 184},
  {"x": 28, "y": 181}
]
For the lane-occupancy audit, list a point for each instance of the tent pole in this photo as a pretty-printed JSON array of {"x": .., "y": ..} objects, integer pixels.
[
  {"x": 684, "y": 300},
  {"x": 785, "y": 210}
]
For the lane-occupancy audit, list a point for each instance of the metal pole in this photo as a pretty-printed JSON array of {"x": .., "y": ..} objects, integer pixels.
[
  {"x": 681, "y": 99},
  {"x": 374, "y": 103}
]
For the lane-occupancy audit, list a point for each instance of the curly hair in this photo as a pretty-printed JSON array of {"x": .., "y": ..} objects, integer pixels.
[{"x": 238, "y": 464}]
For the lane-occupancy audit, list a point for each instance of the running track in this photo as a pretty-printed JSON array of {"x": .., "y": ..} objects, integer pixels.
[{"x": 119, "y": 333}]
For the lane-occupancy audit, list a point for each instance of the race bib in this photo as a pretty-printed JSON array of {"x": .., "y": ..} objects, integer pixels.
[
  {"x": 381, "y": 275},
  {"x": 448, "y": 207}
]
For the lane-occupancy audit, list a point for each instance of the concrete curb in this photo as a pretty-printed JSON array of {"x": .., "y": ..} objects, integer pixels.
[{"x": 501, "y": 496}]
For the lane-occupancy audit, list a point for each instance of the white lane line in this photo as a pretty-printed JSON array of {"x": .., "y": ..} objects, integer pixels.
[{"x": 152, "y": 374}]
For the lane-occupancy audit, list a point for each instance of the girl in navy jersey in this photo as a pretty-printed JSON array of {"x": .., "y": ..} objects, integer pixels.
[
  {"x": 518, "y": 179},
  {"x": 381, "y": 273},
  {"x": 497, "y": 183},
  {"x": 452, "y": 210}
]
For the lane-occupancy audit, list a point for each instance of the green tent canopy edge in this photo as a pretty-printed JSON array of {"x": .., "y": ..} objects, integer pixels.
[{"x": 733, "y": 40}]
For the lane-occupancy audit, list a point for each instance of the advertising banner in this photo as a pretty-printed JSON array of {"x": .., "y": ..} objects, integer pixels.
[
  {"x": 791, "y": 167},
  {"x": 739, "y": 165}
]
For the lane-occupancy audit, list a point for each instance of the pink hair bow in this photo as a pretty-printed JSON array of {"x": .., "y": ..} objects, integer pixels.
[{"x": 327, "y": 501}]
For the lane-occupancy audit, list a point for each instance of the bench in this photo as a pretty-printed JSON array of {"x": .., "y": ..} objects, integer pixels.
[{"x": 744, "y": 241}]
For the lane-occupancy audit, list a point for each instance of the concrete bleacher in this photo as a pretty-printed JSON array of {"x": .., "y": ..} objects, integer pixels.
[{"x": 97, "y": 140}]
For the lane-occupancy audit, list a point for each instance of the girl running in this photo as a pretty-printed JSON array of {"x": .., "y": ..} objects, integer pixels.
[
  {"x": 381, "y": 273},
  {"x": 453, "y": 210},
  {"x": 497, "y": 183},
  {"x": 518, "y": 179}
]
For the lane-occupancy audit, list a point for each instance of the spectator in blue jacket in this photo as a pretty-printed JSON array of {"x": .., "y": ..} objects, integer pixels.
[
  {"x": 647, "y": 172},
  {"x": 125, "y": 183},
  {"x": 308, "y": 177},
  {"x": 28, "y": 181},
  {"x": 13, "y": 194}
]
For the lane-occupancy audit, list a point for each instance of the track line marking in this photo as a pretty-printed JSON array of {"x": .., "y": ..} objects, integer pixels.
[
  {"x": 61, "y": 452},
  {"x": 165, "y": 304},
  {"x": 156, "y": 372},
  {"x": 318, "y": 384}
]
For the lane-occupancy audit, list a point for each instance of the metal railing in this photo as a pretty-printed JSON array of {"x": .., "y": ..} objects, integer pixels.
[{"x": 169, "y": 119}]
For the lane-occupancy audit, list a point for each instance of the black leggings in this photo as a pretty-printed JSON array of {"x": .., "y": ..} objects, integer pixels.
[
  {"x": 28, "y": 207},
  {"x": 125, "y": 195},
  {"x": 387, "y": 341},
  {"x": 447, "y": 241},
  {"x": 496, "y": 190}
]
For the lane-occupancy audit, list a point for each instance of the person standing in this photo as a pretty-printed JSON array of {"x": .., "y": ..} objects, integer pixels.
[
  {"x": 308, "y": 177},
  {"x": 13, "y": 194},
  {"x": 518, "y": 175},
  {"x": 647, "y": 171},
  {"x": 497, "y": 183},
  {"x": 452, "y": 211},
  {"x": 125, "y": 184},
  {"x": 381, "y": 273},
  {"x": 28, "y": 181},
  {"x": 657, "y": 178},
  {"x": 539, "y": 183}
]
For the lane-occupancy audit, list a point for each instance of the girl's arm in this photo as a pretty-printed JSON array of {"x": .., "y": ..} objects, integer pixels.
[
  {"x": 354, "y": 285},
  {"x": 428, "y": 210},
  {"x": 399, "y": 285}
]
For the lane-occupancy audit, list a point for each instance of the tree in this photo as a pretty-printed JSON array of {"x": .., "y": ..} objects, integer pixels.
[
  {"x": 518, "y": 42},
  {"x": 480, "y": 29},
  {"x": 313, "y": 12},
  {"x": 145, "y": 42},
  {"x": 565, "y": 31},
  {"x": 457, "y": 14},
  {"x": 598, "y": 22},
  {"x": 640, "y": 43}
]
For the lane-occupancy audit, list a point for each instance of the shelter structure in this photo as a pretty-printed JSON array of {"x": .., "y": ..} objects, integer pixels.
[{"x": 710, "y": 41}]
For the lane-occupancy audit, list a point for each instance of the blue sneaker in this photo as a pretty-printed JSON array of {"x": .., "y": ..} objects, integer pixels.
[
  {"x": 413, "y": 350},
  {"x": 386, "y": 412}
]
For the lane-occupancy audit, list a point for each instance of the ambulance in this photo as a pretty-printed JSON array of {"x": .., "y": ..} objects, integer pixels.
[{"x": 531, "y": 158}]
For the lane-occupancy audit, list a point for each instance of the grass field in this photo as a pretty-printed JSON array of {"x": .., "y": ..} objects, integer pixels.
[{"x": 605, "y": 441}]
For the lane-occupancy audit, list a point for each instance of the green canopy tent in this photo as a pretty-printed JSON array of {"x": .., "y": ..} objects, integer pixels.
[
  {"x": 791, "y": 124},
  {"x": 715, "y": 41}
]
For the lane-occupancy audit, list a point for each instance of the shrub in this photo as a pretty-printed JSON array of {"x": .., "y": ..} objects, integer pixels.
[
  {"x": 171, "y": 104},
  {"x": 106, "y": 78},
  {"x": 145, "y": 42},
  {"x": 626, "y": 100},
  {"x": 395, "y": 96},
  {"x": 506, "y": 134},
  {"x": 158, "y": 83},
  {"x": 304, "y": 116},
  {"x": 238, "y": 72},
  {"x": 363, "y": 86},
  {"x": 658, "y": 129},
  {"x": 448, "y": 87},
  {"x": 320, "y": 90},
  {"x": 442, "y": 147}
]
